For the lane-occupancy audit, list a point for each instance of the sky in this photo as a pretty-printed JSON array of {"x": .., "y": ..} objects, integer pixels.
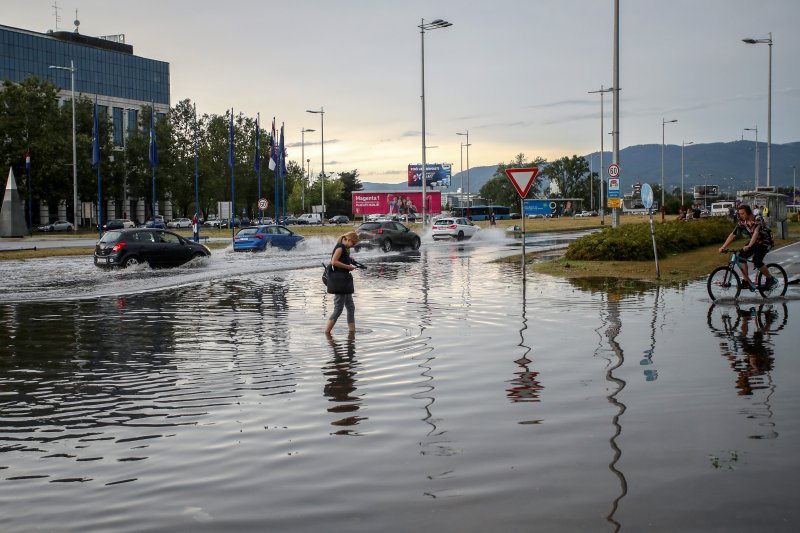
[{"x": 516, "y": 74}]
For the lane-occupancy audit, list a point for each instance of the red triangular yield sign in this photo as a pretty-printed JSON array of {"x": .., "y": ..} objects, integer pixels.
[{"x": 522, "y": 178}]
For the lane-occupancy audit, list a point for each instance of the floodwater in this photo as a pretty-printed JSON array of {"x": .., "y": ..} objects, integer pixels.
[{"x": 207, "y": 398}]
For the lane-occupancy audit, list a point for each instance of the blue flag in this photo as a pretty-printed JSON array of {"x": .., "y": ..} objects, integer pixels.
[
  {"x": 230, "y": 142},
  {"x": 95, "y": 136},
  {"x": 257, "y": 157},
  {"x": 282, "y": 154},
  {"x": 153, "y": 149}
]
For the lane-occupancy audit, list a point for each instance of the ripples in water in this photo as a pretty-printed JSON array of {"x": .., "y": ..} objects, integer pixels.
[{"x": 466, "y": 400}]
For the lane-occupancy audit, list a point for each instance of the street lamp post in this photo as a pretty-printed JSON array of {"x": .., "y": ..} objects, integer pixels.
[
  {"x": 71, "y": 68},
  {"x": 663, "y": 123},
  {"x": 434, "y": 25},
  {"x": 755, "y": 129},
  {"x": 461, "y": 195},
  {"x": 768, "y": 41},
  {"x": 601, "y": 174},
  {"x": 684, "y": 144},
  {"x": 321, "y": 114},
  {"x": 303, "y": 179},
  {"x": 469, "y": 198}
]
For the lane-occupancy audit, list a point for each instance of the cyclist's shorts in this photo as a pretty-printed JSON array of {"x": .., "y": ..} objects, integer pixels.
[{"x": 757, "y": 252}]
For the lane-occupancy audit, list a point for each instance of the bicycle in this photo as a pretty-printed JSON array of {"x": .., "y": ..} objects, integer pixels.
[{"x": 724, "y": 281}]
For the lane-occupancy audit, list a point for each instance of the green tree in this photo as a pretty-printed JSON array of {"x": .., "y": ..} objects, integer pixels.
[
  {"x": 571, "y": 175},
  {"x": 499, "y": 188},
  {"x": 31, "y": 120}
]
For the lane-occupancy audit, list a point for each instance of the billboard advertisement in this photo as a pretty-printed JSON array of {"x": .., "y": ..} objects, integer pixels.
[
  {"x": 395, "y": 203},
  {"x": 437, "y": 174},
  {"x": 539, "y": 207}
]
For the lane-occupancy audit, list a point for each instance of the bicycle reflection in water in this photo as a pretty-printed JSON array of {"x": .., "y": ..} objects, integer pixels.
[{"x": 746, "y": 342}]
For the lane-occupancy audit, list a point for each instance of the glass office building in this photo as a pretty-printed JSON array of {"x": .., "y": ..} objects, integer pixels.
[{"x": 103, "y": 66}]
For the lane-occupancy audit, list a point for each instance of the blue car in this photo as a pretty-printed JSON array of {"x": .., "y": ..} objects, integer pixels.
[{"x": 257, "y": 238}]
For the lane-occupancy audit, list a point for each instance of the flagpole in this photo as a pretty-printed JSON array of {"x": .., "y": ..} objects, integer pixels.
[
  {"x": 233, "y": 179},
  {"x": 96, "y": 162},
  {"x": 196, "y": 182},
  {"x": 257, "y": 158},
  {"x": 153, "y": 157},
  {"x": 283, "y": 174},
  {"x": 30, "y": 196},
  {"x": 273, "y": 168}
]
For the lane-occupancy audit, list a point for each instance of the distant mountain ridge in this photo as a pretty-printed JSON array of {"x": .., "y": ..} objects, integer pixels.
[{"x": 731, "y": 165}]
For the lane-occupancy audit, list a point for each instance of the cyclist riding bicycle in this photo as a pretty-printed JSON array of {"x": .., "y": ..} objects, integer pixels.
[{"x": 757, "y": 229}]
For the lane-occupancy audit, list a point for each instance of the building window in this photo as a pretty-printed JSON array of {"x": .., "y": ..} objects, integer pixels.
[{"x": 118, "y": 127}]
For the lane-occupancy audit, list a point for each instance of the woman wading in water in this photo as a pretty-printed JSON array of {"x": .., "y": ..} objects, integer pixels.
[{"x": 340, "y": 281}]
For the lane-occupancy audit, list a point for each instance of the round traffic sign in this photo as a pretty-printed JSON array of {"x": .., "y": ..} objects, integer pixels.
[
  {"x": 613, "y": 170},
  {"x": 647, "y": 196},
  {"x": 263, "y": 204}
]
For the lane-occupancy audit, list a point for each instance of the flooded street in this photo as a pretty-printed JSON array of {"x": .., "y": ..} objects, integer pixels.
[{"x": 207, "y": 398}]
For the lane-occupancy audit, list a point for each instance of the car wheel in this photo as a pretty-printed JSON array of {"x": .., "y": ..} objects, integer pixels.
[
  {"x": 131, "y": 261},
  {"x": 415, "y": 244},
  {"x": 387, "y": 245},
  {"x": 460, "y": 236}
]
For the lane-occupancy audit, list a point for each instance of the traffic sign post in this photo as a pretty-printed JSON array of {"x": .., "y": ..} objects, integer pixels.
[
  {"x": 614, "y": 198},
  {"x": 522, "y": 179},
  {"x": 647, "y": 201},
  {"x": 262, "y": 206}
]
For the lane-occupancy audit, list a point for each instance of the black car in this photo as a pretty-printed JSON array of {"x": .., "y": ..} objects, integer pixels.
[
  {"x": 339, "y": 219},
  {"x": 387, "y": 235},
  {"x": 156, "y": 247}
]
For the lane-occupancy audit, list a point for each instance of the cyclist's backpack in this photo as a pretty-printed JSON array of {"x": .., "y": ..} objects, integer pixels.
[{"x": 764, "y": 231}]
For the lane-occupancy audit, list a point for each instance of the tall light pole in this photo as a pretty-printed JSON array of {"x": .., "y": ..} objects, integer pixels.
[
  {"x": 461, "y": 196},
  {"x": 615, "y": 99},
  {"x": 469, "y": 198},
  {"x": 755, "y": 129},
  {"x": 321, "y": 114},
  {"x": 435, "y": 25},
  {"x": 684, "y": 144},
  {"x": 71, "y": 68},
  {"x": 663, "y": 123},
  {"x": 768, "y": 41},
  {"x": 602, "y": 92},
  {"x": 303, "y": 179}
]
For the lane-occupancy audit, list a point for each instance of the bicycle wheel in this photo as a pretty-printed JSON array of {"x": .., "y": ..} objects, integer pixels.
[
  {"x": 723, "y": 283},
  {"x": 776, "y": 290},
  {"x": 772, "y": 317}
]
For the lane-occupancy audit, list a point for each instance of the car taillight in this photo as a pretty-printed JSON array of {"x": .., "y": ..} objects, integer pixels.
[
  {"x": 452, "y": 226},
  {"x": 379, "y": 231},
  {"x": 117, "y": 247},
  {"x": 260, "y": 237}
]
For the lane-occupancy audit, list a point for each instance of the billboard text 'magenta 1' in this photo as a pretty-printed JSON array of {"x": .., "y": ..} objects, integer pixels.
[{"x": 395, "y": 203}]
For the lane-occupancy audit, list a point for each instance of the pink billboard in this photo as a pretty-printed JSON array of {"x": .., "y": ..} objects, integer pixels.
[{"x": 395, "y": 203}]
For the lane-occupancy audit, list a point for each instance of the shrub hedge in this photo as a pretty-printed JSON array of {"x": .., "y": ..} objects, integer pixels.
[{"x": 632, "y": 242}]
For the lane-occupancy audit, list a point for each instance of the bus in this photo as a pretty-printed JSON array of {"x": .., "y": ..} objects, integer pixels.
[{"x": 483, "y": 212}]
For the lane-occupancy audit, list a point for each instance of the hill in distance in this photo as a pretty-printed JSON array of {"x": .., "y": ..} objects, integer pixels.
[{"x": 731, "y": 165}]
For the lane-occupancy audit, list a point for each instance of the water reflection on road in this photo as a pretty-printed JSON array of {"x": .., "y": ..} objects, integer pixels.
[{"x": 468, "y": 399}]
